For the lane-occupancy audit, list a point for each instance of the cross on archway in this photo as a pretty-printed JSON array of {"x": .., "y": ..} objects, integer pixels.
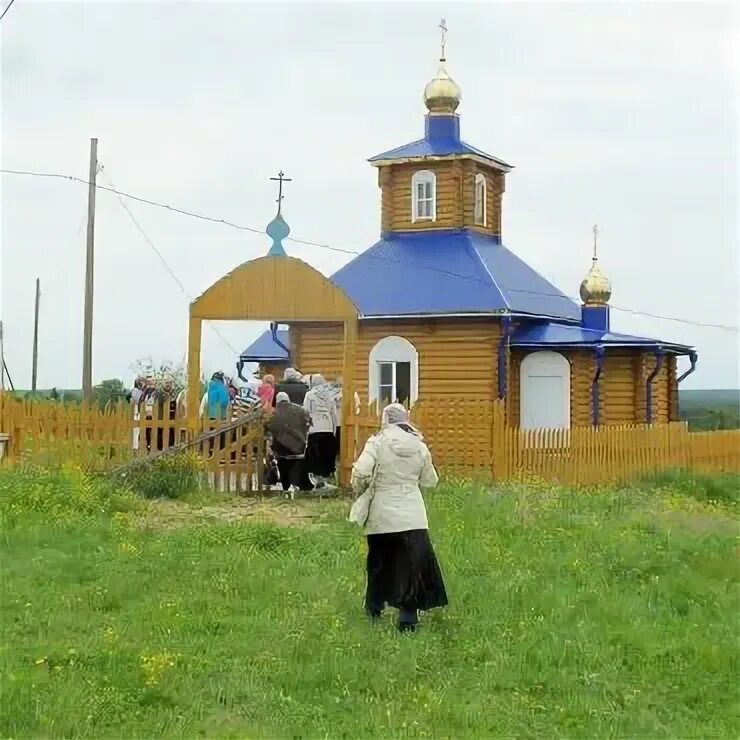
[{"x": 280, "y": 179}]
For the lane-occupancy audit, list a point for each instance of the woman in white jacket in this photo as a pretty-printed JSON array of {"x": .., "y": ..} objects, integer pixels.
[
  {"x": 402, "y": 569},
  {"x": 321, "y": 451}
]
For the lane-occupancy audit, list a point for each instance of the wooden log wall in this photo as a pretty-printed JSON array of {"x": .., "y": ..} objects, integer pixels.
[
  {"x": 618, "y": 389},
  {"x": 582, "y": 369},
  {"x": 622, "y": 388},
  {"x": 457, "y": 359},
  {"x": 455, "y": 196}
]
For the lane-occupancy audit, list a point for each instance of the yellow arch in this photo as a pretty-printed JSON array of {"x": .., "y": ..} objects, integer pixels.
[{"x": 276, "y": 289}]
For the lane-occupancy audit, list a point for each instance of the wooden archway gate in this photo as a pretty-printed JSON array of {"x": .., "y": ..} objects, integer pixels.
[{"x": 286, "y": 290}]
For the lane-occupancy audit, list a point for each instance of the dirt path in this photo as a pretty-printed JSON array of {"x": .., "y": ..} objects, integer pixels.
[{"x": 302, "y": 512}]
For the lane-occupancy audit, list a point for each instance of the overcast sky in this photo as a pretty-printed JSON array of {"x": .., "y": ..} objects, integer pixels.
[{"x": 621, "y": 114}]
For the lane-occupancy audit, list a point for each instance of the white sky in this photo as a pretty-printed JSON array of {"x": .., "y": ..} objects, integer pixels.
[{"x": 621, "y": 114}]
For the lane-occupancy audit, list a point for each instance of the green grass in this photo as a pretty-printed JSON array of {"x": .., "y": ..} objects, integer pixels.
[{"x": 588, "y": 614}]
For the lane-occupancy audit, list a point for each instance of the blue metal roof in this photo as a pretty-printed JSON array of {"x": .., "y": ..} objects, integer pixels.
[
  {"x": 553, "y": 334},
  {"x": 441, "y": 139},
  {"x": 448, "y": 271},
  {"x": 264, "y": 349},
  {"x": 436, "y": 148}
]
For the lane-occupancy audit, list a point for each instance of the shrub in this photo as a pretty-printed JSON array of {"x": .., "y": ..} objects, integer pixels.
[{"x": 166, "y": 477}]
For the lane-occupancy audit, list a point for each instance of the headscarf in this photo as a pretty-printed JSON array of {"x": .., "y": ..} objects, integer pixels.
[
  {"x": 396, "y": 415},
  {"x": 282, "y": 397},
  {"x": 320, "y": 390},
  {"x": 291, "y": 375}
]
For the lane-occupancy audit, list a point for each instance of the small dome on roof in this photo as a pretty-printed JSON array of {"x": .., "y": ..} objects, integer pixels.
[
  {"x": 596, "y": 290},
  {"x": 442, "y": 95}
]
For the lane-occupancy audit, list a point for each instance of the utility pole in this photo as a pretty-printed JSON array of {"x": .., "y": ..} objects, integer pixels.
[
  {"x": 2, "y": 358},
  {"x": 35, "y": 365},
  {"x": 89, "y": 275}
]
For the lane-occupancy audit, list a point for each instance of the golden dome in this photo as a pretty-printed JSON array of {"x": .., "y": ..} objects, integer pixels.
[
  {"x": 596, "y": 290},
  {"x": 442, "y": 94}
]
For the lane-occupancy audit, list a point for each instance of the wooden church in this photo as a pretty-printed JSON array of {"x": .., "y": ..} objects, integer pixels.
[{"x": 447, "y": 311}]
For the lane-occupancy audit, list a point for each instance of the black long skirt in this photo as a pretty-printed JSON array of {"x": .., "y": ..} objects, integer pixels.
[
  {"x": 321, "y": 453},
  {"x": 403, "y": 572}
]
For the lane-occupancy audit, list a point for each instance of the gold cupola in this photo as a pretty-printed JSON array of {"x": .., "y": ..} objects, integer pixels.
[
  {"x": 596, "y": 290},
  {"x": 442, "y": 95}
]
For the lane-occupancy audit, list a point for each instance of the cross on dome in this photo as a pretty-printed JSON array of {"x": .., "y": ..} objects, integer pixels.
[
  {"x": 596, "y": 290},
  {"x": 442, "y": 94},
  {"x": 278, "y": 228}
]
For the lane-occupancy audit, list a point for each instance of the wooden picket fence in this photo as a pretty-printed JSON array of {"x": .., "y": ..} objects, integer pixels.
[
  {"x": 467, "y": 438},
  {"x": 102, "y": 439}
]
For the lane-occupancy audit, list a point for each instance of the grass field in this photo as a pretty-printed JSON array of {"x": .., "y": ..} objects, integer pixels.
[{"x": 590, "y": 614}]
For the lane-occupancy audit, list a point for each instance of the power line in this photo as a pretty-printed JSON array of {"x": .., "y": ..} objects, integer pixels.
[
  {"x": 7, "y": 8},
  {"x": 7, "y": 373},
  {"x": 341, "y": 250},
  {"x": 169, "y": 270}
]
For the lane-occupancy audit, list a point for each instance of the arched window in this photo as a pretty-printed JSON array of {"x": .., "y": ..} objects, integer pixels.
[
  {"x": 423, "y": 196},
  {"x": 544, "y": 386},
  {"x": 393, "y": 370},
  {"x": 480, "y": 199}
]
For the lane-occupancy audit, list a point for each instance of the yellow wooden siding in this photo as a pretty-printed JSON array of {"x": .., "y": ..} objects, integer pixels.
[
  {"x": 318, "y": 348},
  {"x": 661, "y": 394},
  {"x": 672, "y": 388},
  {"x": 644, "y": 366},
  {"x": 513, "y": 391},
  {"x": 455, "y": 196},
  {"x": 457, "y": 359},
  {"x": 582, "y": 369},
  {"x": 617, "y": 389}
]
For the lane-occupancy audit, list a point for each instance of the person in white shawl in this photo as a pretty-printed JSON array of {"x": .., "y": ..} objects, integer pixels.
[
  {"x": 321, "y": 451},
  {"x": 402, "y": 569}
]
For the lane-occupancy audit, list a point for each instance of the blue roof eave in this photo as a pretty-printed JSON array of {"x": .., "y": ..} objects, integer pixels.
[
  {"x": 422, "y": 149},
  {"x": 264, "y": 348},
  {"x": 537, "y": 336}
]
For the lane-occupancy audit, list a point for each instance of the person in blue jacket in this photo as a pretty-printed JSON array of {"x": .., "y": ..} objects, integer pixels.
[
  {"x": 218, "y": 403},
  {"x": 218, "y": 397}
]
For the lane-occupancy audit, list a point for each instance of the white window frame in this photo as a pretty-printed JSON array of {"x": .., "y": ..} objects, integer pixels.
[
  {"x": 394, "y": 379},
  {"x": 392, "y": 350},
  {"x": 423, "y": 177},
  {"x": 480, "y": 211}
]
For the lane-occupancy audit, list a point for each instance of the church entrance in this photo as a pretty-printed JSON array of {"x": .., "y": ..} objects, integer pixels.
[{"x": 285, "y": 290}]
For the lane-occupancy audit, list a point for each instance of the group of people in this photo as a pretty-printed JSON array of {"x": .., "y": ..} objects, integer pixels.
[
  {"x": 152, "y": 399},
  {"x": 304, "y": 421}
]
